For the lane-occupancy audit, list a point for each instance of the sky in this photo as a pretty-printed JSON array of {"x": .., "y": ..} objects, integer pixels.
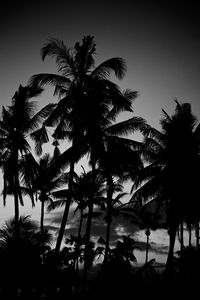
[{"x": 160, "y": 42}]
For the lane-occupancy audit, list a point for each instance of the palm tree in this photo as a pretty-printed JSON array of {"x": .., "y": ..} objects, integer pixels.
[
  {"x": 148, "y": 217},
  {"x": 81, "y": 194},
  {"x": 18, "y": 121},
  {"x": 123, "y": 252},
  {"x": 83, "y": 88},
  {"x": 115, "y": 155},
  {"x": 112, "y": 154},
  {"x": 44, "y": 178},
  {"x": 111, "y": 207},
  {"x": 170, "y": 177}
]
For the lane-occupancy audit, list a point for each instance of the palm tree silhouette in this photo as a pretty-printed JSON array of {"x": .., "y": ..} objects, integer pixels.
[
  {"x": 18, "y": 122},
  {"x": 118, "y": 157},
  {"x": 111, "y": 206},
  {"x": 123, "y": 252},
  {"x": 81, "y": 194},
  {"x": 173, "y": 156},
  {"x": 83, "y": 89},
  {"x": 44, "y": 178},
  {"x": 148, "y": 217},
  {"x": 112, "y": 154}
]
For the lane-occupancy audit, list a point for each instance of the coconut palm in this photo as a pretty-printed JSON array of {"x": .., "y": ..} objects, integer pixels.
[
  {"x": 112, "y": 154},
  {"x": 82, "y": 194},
  {"x": 110, "y": 208},
  {"x": 45, "y": 178},
  {"x": 148, "y": 217},
  {"x": 18, "y": 121},
  {"x": 169, "y": 178},
  {"x": 83, "y": 89},
  {"x": 115, "y": 155}
]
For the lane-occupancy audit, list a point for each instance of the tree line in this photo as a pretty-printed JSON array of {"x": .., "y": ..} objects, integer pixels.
[{"x": 163, "y": 167}]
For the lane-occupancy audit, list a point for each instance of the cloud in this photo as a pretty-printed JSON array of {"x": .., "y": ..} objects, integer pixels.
[
  {"x": 120, "y": 226},
  {"x": 160, "y": 249}
]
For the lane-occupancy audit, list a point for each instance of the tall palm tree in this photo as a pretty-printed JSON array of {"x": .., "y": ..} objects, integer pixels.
[
  {"x": 111, "y": 153},
  {"x": 170, "y": 176},
  {"x": 18, "y": 121},
  {"x": 115, "y": 155},
  {"x": 82, "y": 88}
]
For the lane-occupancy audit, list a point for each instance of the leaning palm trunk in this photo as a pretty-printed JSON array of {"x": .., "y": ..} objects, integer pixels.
[
  {"x": 66, "y": 211},
  {"x": 79, "y": 239},
  {"x": 80, "y": 224}
]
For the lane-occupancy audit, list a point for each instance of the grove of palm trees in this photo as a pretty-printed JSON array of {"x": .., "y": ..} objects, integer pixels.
[{"x": 87, "y": 122}]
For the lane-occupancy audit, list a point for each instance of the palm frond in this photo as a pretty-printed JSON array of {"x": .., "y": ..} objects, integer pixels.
[
  {"x": 61, "y": 194},
  {"x": 37, "y": 119},
  {"x": 64, "y": 56},
  {"x": 126, "y": 127},
  {"x": 55, "y": 80},
  {"x": 34, "y": 91},
  {"x": 115, "y": 64},
  {"x": 118, "y": 197},
  {"x": 55, "y": 204},
  {"x": 40, "y": 137}
]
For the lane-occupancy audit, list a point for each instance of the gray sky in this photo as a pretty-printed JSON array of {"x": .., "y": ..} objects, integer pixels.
[{"x": 159, "y": 41}]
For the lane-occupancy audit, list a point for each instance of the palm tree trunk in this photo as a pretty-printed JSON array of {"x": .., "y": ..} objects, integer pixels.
[
  {"x": 66, "y": 211},
  {"x": 88, "y": 226},
  {"x": 80, "y": 224},
  {"x": 190, "y": 234},
  {"x": 42, "y": 217},
  {"x": 109, "y": 216},
  {"x": 172, "y": 237},
  {"x": 87, "y": 238},
  {"x": 79, "y": 239},
  {"x": 197, "y": 234},
  {"x": 181, "y": 236},
  {"x": 16, "y": 187},
  {"x": 107, "y": 241},
  {"x": 42, "y": 226},
  {"x": 147, "y": 232},
  {"x": 16, "y": 203}
]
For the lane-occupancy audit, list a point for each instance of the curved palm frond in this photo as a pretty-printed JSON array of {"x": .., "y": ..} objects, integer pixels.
[
  {"x": 55, "y": 80},
  {"x": 115, "y": 64},
  {"x": 126, "y": 127},
  {"x": 64, "y": 57}
]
